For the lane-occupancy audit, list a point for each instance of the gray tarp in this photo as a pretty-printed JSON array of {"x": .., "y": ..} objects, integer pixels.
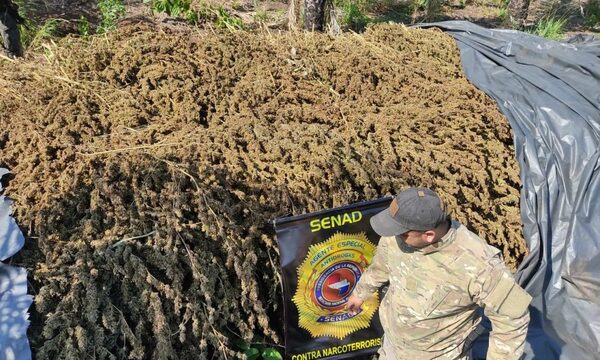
[
  {"x": 14, "y": 300},
  {"x": 550, "y": 93}
]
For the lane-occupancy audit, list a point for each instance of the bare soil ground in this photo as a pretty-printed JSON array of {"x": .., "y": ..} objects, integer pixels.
[{"x": 149, "y": 163}]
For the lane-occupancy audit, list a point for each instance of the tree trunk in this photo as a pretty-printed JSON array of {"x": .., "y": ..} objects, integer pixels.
[{"x": 314, "y": 14}]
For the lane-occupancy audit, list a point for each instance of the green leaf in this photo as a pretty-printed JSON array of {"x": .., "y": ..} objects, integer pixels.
[
  {"x": 252, "y": 353},
  {"x": 271, "y": 354},
  {"x": 241, "y": 344}
]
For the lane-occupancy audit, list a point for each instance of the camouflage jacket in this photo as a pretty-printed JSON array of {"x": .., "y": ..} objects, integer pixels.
[{"x": 431, "y": 304}]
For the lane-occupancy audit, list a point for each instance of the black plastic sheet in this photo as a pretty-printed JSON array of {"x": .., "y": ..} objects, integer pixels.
[{"x": 550, "y": 93}]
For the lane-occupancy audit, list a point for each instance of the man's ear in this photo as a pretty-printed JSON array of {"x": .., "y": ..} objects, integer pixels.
[{"x": 429, "y": 236}]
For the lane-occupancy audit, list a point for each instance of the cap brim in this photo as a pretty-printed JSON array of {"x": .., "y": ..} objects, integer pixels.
[{"x": 385, "y": 225}]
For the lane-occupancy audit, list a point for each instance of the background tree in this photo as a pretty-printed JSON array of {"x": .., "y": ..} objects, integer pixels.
[{"x": 312, "y": 15}]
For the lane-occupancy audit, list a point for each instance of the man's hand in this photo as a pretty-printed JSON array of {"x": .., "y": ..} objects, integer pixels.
[{"x": 353, "y": 305}]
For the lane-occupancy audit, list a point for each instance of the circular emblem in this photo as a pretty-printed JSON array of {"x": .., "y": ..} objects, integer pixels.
[
  {"x": 326, "y": 280},
  {"x": 335, "y": 285}
]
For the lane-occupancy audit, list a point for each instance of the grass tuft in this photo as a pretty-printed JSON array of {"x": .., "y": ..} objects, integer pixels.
[
  {"x": 32, "y": 36},
  {"x": 550, "y": 27}
]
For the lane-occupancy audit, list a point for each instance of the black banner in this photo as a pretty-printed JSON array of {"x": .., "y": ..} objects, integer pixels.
[{"x": 323, "y": 255}]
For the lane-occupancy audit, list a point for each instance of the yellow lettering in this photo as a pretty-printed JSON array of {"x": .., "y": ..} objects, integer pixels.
[
  {"x": 336, "y": 220},
  {"x": 338, "y": 350},
  {"x": 347, "y": 219},
  {"x": 315, "y": 225},
  {"x": 326, "y": 223}
]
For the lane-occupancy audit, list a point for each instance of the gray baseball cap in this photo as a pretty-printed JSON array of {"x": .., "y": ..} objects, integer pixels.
[{"x": 417, "y": 209}]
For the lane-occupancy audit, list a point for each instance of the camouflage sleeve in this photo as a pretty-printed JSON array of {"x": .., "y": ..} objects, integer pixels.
[
  {"x": 376, "y": 273},
  {"x": 506, "y": 304}
]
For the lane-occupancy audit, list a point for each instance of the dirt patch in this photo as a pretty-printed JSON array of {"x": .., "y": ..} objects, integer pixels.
[{"x": 149, "y": 164}]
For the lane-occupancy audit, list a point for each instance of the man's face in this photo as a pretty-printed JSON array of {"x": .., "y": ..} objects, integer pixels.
[{"x": 417, "y": 239}]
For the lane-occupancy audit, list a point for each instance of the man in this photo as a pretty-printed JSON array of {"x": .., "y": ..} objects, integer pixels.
[
  {"x": 439, "y": 273},
  {"x": 9, "y": 19}
]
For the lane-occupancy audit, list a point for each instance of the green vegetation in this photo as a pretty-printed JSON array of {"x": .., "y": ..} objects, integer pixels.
[
  {"x": 354, "y": 13},
  {"x": 502, "y": 6},
  {"x": 110, "y": 12},
  {"x": 257, "y": 350},
  {"x": 227, "y": 21},
  {"x": 30, "y": 32},
  {"x": 83, "y": 26},
  {"x": 592, "y": 14},
  {"x": 183, "y": 9},
  {"x": 354, "y": 17},
  {"x": 550, "y": 27},
  {"x": 503, "y": 13},
  {"x": 32, "y": 35},
  {"x": 175, "y": 8}
]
